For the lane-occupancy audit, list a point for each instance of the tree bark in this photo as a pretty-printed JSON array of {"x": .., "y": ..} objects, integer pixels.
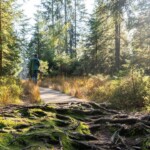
[
  {"x": 53, "y": 24},
  {"x": 117, "y": 45},
  {"x": 75, "y": 27},
  {"x": 1, "y": 49},
  {"x": 53, "y": 15},
  {"x": 66, "y": 38},
  {"x": 71, "y": 40},
  {"x": 38, "y": 41}
]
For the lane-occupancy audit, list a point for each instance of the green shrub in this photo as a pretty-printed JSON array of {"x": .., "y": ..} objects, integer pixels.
[
  {"x": 44, "y": 67},
  {"x": 132, "y": 91},
  {"x": 147, "y": 97},
  {"x": 129, "y": 92},
  {"x": 104, "y": 93},
  {"x": 10, "y": 91}
]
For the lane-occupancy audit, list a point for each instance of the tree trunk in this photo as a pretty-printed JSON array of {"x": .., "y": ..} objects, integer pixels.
[
  {"x": 1, "y": 49},
  {"x": 117, "y": 45},
  {"x": 71, "y": 40},
  {"x": 38, "y": 41},
  {"x": 75, "y": 27},
  {"x": 53, "y": 25},
  {"x": 53, "y": 14},
  {"x": 96, "y": 59},
  {"x": 66, "y": 38}
]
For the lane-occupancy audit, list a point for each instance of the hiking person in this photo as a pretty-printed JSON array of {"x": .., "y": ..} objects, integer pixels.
[{"x": 34, "y": 68}]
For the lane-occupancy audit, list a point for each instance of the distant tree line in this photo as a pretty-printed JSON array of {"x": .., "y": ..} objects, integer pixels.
[
  {"x": 119, "y": 39},
  {"x": 114, "y": 38}
]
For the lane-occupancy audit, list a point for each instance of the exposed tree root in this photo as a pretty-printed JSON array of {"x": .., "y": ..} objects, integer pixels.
[{"x": 73, "y": 126}]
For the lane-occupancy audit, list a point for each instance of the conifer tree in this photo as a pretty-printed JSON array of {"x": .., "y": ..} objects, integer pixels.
[{"x": 9, "y": 48}]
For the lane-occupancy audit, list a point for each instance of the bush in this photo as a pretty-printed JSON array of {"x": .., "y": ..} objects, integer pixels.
[
  {"x": 132, "y": 91},
  {"x": 44, "y": 67},
  {"x": 129, "y": 92},
  {"x": 10, "y": 91},
  {"x": 104, "y": 92},
  {"x": 65, "y": 65}
]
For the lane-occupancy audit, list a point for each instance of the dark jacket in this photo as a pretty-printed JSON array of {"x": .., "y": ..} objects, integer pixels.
[{"x": 34, "y": 64}]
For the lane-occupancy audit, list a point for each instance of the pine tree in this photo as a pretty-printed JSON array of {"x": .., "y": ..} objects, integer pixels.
[
  {"x": 116, "y": 7},
  {"x": 140, "y": 44},
  {"x": 1, "y": 49},
  {"x": 9, "y": 48}
]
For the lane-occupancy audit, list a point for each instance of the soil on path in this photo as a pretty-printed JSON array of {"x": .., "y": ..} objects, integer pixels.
[{"x": 53, "y": 96}]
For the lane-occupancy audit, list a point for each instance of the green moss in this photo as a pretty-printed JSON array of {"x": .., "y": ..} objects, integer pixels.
[
  {"x": 67, "y": 143},
  {"x": 83, "y": 128},
  {"x": 7, "y": 123},
  {"x": 49, "y": 122},
  {"x": 45, "y": 130},
  {"x": 62, "y": 123},
  {"x": 77, "y": 116},
  {"x": 48, "y": 128},
  {"x": 24, "y": 112},
  {"x": 38, "y": 112},
  {"x": 49, "y": 108},
  {"x": 146, "y": 144},
  {"x": 5, "y": 139},
  {"x": 2, "y": 125},
  {"x": 3, "y": 147}
]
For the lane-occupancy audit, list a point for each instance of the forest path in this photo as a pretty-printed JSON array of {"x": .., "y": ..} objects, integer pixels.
[
  {"x": 53, "y": 96},
  {"x": 72, "y": 124}
]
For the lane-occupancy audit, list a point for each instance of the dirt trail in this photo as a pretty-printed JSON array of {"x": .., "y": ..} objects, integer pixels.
[
  {"x": 109, "y": 129},
  {"x": 53, "y": 96}
]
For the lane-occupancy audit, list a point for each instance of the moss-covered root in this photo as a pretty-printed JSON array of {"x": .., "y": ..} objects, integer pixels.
[{"x": 73, "y": 126}]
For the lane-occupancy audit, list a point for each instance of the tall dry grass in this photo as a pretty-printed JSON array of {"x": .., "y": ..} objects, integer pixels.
[
  {"x": 10, "y": 91},
  {"x": 80, "y": 87},
  {"x": 129, "y": 92},
  {"x": 31, "y": 92},
  {"x": 14, "y": 91}
]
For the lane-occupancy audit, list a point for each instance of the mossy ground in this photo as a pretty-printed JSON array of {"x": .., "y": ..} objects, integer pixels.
[{"x": 63, "y": 126}]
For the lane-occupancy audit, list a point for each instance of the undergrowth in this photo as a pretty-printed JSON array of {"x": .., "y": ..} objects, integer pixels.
[
  {"x": 31, "y": 92},
  {"x": 10, "y": 91},
  {"x": 15, "y": 91},
  {"x": 128, "y": 92}
]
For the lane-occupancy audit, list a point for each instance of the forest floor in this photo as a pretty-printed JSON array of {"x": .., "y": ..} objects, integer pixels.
[
  {"x": 52, "y": 96},
  {"x": 72, "y": 125}
]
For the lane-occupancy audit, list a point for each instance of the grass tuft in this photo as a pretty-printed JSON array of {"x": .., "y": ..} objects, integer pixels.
[{"x": 31, "y": 91}]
